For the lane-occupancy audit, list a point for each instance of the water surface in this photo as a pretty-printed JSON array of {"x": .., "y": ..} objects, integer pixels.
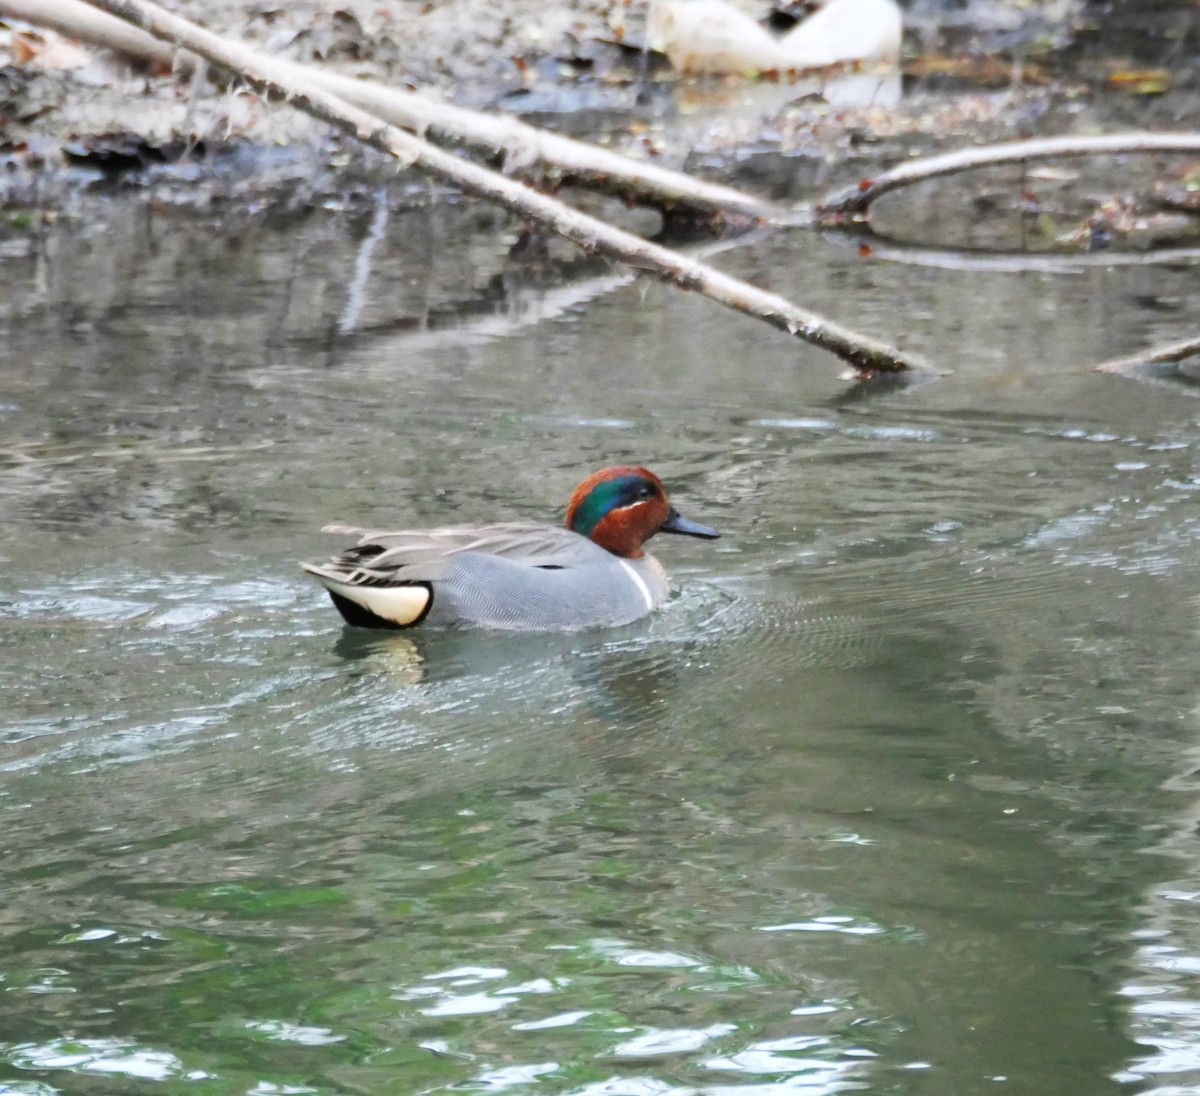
[{"x": 897, "y": 794}]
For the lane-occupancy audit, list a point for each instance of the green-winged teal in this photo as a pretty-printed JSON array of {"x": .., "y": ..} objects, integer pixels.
[{"x": 515, "y": 575}]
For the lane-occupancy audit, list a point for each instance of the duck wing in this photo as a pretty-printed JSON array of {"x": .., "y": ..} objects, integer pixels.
[{"x": 426, "y": 555}]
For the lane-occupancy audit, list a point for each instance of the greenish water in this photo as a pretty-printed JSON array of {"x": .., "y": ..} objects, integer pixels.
[{"x": 896, "y": 795}]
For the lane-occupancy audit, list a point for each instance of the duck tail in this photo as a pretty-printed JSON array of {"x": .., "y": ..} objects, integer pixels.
[{"x": 375, "y": 605}]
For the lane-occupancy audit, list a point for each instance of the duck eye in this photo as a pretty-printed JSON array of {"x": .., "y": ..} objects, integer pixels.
[{"x": 645, "y": 491}]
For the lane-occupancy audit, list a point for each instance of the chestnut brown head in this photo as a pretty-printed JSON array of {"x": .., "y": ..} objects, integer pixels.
[{"x": 621, "y": 508}]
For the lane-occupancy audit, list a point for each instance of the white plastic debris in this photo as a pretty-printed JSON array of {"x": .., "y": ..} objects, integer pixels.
[
  {"x": 714, "y": 36},
  {"x": 846, "y": 30}
]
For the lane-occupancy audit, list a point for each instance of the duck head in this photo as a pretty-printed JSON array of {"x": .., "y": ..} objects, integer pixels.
[{"x": 623, "y": 507}]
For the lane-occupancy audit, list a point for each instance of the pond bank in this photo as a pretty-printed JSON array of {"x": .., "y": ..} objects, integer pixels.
[{"x": 105, "y": 119}]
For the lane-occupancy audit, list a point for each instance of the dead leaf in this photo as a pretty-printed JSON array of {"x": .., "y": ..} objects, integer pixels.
[
  {"x": 1142, "y": 81},
  {"x": 49, "y": 51},
  {"x": 24, "y": 49},
  {"x": 984, "y": 71}
]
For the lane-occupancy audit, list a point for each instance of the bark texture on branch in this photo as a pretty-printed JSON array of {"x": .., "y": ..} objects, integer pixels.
[
  {"x": 854, "y": 202},
  {"x": 864, "y": 354}
]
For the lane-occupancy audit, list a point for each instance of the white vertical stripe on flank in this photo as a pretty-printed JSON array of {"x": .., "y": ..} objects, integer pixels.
[{"x": 639, "y": 583}]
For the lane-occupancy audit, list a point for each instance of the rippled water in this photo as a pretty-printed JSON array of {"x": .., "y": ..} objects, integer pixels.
[{"x": 898, "y": 794}]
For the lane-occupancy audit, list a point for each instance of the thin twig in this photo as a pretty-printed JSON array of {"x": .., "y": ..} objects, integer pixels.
[
  {"x": 854, "y": 202},
  {"x": 864, "y": 354}
]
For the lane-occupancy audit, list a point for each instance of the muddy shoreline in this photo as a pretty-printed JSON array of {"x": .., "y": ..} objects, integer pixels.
[{"x": 991, "y": 71}]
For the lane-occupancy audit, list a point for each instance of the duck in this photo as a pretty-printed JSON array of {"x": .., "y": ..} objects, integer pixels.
[{"x": 590, "y": 572}]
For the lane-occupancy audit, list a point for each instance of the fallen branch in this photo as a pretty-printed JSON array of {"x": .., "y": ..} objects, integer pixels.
[
  {"x": 528, "y": 152},
  {"x": 866, "y": 355},
  {"x": 854, "y": 202},
  {"x": 538, "y": 155},
  {"x": 1159, "y": 355}
]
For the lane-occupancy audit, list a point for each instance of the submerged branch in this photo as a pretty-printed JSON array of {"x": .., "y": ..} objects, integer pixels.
[
  {"x": 1159, "y": 355},
  {"x": 997, "y": 261},
  {"x": 855, "y": 201},
  {"x": 865, "y": 355}
]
